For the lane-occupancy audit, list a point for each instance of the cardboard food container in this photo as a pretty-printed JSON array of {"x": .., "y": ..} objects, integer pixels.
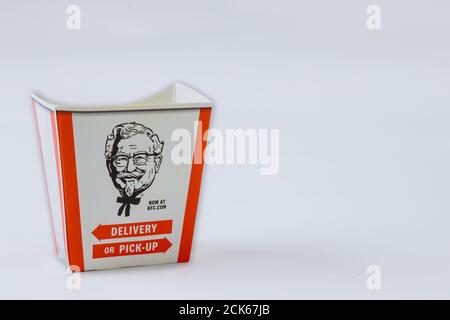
[{"x": 118, "y": 193}]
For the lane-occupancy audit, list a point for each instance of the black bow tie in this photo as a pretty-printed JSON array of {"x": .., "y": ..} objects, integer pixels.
[{"x": 126, "y": 204}]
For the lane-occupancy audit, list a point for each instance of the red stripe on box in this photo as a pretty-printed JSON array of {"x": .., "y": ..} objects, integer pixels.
[
  {"x": 70, "y": 185},
  {"x": 187, "y": 232},
  {"x": 58, "y": 168}
]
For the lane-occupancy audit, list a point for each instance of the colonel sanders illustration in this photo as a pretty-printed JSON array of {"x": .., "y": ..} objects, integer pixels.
[{"x": 133, "y": 158}]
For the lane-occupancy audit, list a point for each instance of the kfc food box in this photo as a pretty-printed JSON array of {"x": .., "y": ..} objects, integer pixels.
[{"x": 118, "y": 193}]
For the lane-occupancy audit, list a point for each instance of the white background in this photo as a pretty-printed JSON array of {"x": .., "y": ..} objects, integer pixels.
[{"x": 364, "y": 161}]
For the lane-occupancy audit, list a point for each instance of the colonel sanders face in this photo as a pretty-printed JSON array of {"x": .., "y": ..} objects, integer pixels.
[{"x": 133, "y": 155}]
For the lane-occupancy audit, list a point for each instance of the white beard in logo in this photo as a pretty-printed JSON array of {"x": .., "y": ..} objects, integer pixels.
[{"x": 129, "y": 187}]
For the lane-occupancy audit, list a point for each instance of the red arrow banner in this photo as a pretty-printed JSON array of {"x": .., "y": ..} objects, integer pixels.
[
  {"x": 116, "y": 249},
  {"x": 127, "y": 230}
]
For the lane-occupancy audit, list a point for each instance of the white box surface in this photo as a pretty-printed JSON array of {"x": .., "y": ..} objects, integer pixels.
[{"x": 116, "y": 196}]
